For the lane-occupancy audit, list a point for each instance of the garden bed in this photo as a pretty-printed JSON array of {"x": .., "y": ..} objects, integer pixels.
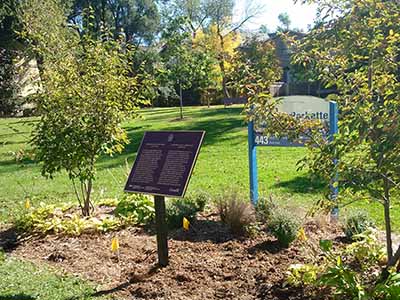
[{"x": 206, "y": 262}]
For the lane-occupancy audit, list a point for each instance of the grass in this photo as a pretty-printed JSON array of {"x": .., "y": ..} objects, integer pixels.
[
  {"x": 222, "y": 164},
  {"x": 25, "y": 281}
]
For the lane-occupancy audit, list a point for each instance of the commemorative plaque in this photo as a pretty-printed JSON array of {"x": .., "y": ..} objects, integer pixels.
[
  {"x": 164, "y": 163},
  {"x": 163, "y": 166}
]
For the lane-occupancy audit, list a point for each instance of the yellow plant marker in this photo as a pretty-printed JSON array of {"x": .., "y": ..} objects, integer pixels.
[
  {"x": 301, "y": 235},
  {"x": 27, "y": 203},
  {"x": 186, "y": 223},
  {"x": 114, "y": 244}
]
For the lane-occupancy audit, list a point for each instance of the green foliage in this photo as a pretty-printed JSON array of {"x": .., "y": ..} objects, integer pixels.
[
  {"x": 367, "y": 250},
  {"x": 356, "y": 223},
  {"x": 354, "y": 48},
  {"x": 186, "y": 207},
  {"x": 52, "y": 219},
  {"x": 285, "y": 21},
  {"x": 344, "y": 281},
  {"x": 9, "y": 100},
  {"x": 255, "y": 68},
  {"x": 302, "y": 274},
  {"x": 388, "y": 290},
  {"x": 139, "y": 21},
  {"x": 284, "y": 226},
  {"x": 326, "y": 245},
  {"x": 265, "y": 208},
  {"x": 2, "y": 256},
  {"x": 236, "y": 211},
  {"x": 138, "y": 209},
  {"x": 89, "y": 89},
  {"x": 350, "y": 273}
]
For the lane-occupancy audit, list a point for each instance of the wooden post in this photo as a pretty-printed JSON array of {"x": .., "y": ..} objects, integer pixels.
[{"x": 162, "y": 232}]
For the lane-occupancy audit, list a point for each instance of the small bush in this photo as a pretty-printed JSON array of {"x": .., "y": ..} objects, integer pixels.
[
  {"x": 284, "y": 226},
  {"x": 236, "y": 212},
  {"x": 66, "y": 219},
  {"x": 265, "y": 208},
  {"x": 356, "y": 223},
  {"x": 139, "y": 209},
  {"x": 302, "y": 274},
  {"x": 183, "y": 207},
  {"x": 201, "y": 199}
]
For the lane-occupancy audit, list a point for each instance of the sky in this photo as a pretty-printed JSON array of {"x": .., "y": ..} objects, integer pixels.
[{"x": 300, "y": 15}]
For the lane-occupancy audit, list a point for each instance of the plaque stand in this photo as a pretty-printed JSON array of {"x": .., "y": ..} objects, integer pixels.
[{"x": 162, "y": 232}]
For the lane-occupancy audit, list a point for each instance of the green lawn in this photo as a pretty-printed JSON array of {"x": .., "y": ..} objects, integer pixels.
[
  {"x": 25, "y": 281},
  {"x": 222, "y": 164}
]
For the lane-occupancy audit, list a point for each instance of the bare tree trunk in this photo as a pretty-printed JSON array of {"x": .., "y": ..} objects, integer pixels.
[
  {"x": 86, "y": 204},
  {"x": 388, "y": 226},
  {"x": 222, "y": 64}
]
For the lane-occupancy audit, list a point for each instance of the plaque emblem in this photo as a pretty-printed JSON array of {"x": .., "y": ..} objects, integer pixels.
[{"x": 170, "y": 138}]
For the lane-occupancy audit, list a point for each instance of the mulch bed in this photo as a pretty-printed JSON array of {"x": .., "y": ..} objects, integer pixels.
[{"x": 207, "y": 262}]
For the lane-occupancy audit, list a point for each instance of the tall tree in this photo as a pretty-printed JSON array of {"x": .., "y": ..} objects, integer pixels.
[
  {"x": 285, "y": 22},
  {"x": 137, "y": 19}
]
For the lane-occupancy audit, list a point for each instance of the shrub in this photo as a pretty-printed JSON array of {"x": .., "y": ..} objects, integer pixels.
[
  {"x": 357, "y": 222},
  {"x": 284, "y": 226},
  {"x": 48, "y": 219},
  {"x": 236, "y": 212},
  {"x": 302, "y": 274},
  {"x": 201, "y": 199},
  {"x": 183, "y": 207},
  {"x": 265, "y": 208},
  {"x": 139, "y": 209}
]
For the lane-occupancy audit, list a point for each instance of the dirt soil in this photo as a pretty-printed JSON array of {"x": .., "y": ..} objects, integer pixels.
[{"x": 206, "y": 262}]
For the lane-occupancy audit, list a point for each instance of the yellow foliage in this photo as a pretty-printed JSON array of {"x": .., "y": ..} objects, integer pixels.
[{"x": 222, "y": 47}]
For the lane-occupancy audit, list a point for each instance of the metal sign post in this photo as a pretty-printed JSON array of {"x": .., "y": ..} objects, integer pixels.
[{"x": 162, "y": 232}]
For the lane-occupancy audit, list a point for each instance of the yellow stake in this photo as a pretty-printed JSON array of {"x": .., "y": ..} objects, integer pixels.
[
  {"x": 114, "y": 244},
  {"x": 27, "y": 203},
  {"x": 301, "y": 235},
  {"x": 186, "y": 223}
]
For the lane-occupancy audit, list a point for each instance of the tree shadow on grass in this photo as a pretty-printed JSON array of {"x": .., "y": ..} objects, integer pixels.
[
  {"x": 215, "y": 133},
  {"x": 8, "y": 239},
  {"x": 17, "y": 297},
  {"x": 302, "y": 185}
]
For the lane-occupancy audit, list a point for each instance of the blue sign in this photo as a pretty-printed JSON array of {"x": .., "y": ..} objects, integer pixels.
[{"x": 303, "y": 107}]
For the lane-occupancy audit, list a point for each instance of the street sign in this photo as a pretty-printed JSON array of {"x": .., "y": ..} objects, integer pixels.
[{"x": 300, "y": 107}]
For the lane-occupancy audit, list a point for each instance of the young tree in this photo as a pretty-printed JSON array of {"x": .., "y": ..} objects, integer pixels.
[
  {"x": 356, "y": 48},
  {"x": 177, "y": 57},
  {"x": 88, "y": 89}
]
